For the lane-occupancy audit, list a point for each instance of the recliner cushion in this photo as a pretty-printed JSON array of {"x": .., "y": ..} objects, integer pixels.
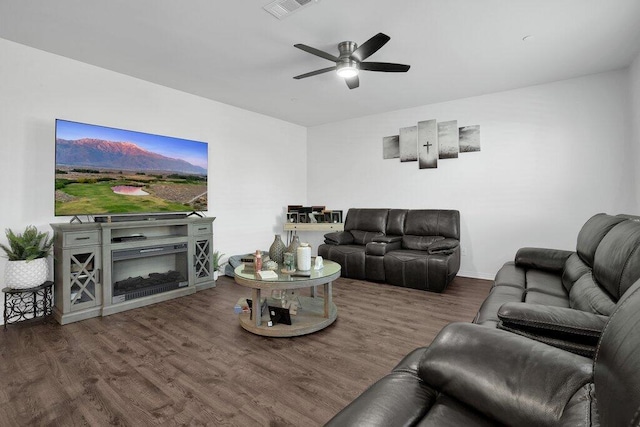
[
  {"x": 366, "y": 220},
  {"x": 419, "y": 270},
  {"x": 449, "y": 412},
  {"x": 419, "y": 243},
  {"x": 586, "y": 295},
  {"x": 616, "y": 263},
  {"x": 429, "y": 222},
  {"x": 592, "y": 233},
  {"x": 546, "y": 283},
  {"x": 395, "y": 221},
  {"x": 574, "y": 268},
  {"x": 350, "y": 257},
  {"x": 511, "y": 275},
  {"x": 535, "y": 297}
]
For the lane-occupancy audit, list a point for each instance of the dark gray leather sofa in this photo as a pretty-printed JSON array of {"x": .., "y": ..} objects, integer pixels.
[
  {"x": 564, "y": 298},
  {"x": 476, "y": 376},
  {"x": 412, "y": 248}
]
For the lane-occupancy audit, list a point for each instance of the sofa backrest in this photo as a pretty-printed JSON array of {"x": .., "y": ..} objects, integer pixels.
[
  {"x": 395, "y": 222},
  {"x": 419, "y": 227},
  {"x": 422, "y": 227},
  {"x": 365, "y": 224},
  {"x": 616, "y": 265},
  {"x": 433, "y": 222},
  {"x": 592, "y": 233}
]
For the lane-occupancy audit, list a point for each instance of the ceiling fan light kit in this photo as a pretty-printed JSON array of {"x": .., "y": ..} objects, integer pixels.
[
  {"x": 347, "y": 70},
  {"x": 350, "y": 61}
]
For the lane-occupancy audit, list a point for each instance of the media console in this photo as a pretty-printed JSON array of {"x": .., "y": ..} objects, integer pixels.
[{"x": 105, "y": 268}]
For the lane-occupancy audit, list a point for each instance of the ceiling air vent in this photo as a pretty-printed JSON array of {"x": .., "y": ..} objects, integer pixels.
[{"x": 283, "y": 8}]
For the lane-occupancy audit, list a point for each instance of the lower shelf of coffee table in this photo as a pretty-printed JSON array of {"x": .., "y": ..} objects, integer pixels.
[{"x": 310, "y": 318}]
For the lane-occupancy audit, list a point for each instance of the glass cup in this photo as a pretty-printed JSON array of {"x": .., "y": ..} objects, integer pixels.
[{"x": 289, "y": 261}]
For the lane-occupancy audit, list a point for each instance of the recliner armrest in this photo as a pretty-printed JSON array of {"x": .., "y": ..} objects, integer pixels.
[
  {"x": 510, "y": 378},
  {"x": 542, "y": 258},
  {"x": 387, "y": 239},
  {"x": 572, "y": 330},
  {"x": 338, "y": 238},
  {"x": 445, "y": 246}
]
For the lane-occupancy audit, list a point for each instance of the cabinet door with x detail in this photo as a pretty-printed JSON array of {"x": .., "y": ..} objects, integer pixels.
[{"x": 84, "y": 275}]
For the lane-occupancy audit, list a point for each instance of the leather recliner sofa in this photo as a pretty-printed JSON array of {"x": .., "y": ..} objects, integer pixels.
[
  {"x": 477, "y": 376},
  {"x": 417, "y": 248},
  {"x": 564, "y": 298}
]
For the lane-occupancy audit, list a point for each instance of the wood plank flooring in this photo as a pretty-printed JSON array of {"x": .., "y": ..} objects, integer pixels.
[{"x": 188, "y": 362}]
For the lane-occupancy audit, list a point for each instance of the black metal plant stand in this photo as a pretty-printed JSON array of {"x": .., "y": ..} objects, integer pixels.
[{"x": 27, "y": 304}]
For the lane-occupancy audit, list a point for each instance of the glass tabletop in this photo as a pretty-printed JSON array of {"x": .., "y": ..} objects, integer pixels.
[{"x": 330, "y": 268}]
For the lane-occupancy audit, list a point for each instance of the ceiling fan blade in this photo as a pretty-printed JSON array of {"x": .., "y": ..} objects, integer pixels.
[
  {"x": 384, "y": 67},
  {"x": 352, "y": 82},
  {"x": 316, "y": 52},
  {"x": 370, "y": 47},
  {"x": 315, "y": 73}
]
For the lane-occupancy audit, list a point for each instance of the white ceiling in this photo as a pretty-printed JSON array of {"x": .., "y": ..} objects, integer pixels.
[{"x": 236, "y": 53}]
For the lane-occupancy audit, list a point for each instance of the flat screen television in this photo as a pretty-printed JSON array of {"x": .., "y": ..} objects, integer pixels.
[{"x": 108, "y": 171}]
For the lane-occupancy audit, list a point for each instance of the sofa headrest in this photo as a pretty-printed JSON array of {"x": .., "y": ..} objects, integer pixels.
[
  {"x": 366, "y": 219},
  {"x": 433, "y": 222},
  {"x": 592, "y": 233},
  {"x": 616, "y": 264},
  {"x": 395, "y": 222}
]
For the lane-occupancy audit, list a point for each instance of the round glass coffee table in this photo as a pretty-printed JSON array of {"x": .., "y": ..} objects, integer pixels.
[{"x": 314, "y": 312}]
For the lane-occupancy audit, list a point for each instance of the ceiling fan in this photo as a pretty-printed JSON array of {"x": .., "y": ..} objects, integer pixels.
[{"x": 351, "y": 58}]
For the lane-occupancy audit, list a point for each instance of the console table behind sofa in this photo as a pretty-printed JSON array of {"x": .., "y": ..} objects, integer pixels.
[{"x": 417, "y": 248}]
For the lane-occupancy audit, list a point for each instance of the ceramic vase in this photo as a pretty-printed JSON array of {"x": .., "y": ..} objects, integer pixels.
[
  {"x": 304, "y": 257},
  {"x": 293, "y": 246},
  {"x": 276, "y": 251}
]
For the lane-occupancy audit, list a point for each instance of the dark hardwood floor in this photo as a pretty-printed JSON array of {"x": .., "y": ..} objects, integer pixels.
[{"x": 188, "y": 362}]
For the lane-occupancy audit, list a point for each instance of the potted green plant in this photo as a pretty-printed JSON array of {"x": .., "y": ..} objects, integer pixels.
[
  {"x": 217, "y": 256},
  {"x": 27, "y": 253}
]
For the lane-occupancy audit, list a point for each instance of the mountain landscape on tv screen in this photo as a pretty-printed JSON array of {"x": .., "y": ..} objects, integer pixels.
[
  {"x": 98, "y": 153},
  {"x": 96, "y": 176}
]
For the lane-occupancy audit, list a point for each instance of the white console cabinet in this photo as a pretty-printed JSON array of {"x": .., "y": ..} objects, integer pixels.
[{"x": 106, "y": 268}]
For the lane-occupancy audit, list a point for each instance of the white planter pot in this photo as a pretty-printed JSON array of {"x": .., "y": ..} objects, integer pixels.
[
  {"x": 26, "y": 274},
  {"x": 215, "y": 275}
]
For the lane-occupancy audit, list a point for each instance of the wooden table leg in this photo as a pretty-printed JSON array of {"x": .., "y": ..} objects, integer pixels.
[
  {"x": 327, "y": 298},
  {"x": 257, "y": 307}
]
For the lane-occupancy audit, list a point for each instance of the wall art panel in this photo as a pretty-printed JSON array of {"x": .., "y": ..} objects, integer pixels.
[
  {"x": 448, "y": 146},
  {"x": 469, "y": 139},
  {"x": 409, "y": 144},
  {"x": 391, "y": 147},
  {"x": 428, "y": 144}
]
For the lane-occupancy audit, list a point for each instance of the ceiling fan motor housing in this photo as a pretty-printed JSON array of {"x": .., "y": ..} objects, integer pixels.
[{"x": 345, "y": 60}]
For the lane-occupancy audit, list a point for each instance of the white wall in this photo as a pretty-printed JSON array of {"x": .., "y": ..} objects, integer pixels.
[
  {"x": 252, "y": 157},
  {"x": 551, "y": 156}
]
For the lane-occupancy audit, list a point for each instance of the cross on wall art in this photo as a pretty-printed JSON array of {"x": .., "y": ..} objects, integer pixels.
[{"x": 431, "y": 141}]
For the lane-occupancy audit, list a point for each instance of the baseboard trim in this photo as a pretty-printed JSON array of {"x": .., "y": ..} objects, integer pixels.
[{"x": 476, "y": 275}]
